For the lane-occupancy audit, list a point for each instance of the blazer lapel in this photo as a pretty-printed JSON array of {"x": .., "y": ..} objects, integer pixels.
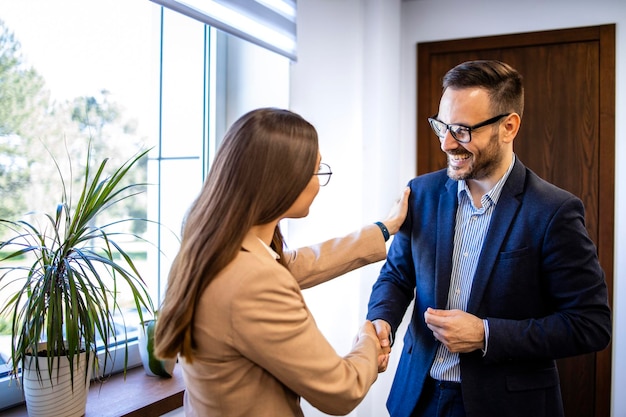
[
  {"x": 503, "y": 217},
  {"x": 446, "y": 216}
]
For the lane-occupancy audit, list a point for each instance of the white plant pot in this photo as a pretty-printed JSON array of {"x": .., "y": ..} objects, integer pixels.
[
  {"x": 55, "y": 396},
  {"x": 151, "y": 364}
]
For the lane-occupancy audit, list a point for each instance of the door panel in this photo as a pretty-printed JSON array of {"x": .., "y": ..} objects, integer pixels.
[{"x": 566, "y": 137}]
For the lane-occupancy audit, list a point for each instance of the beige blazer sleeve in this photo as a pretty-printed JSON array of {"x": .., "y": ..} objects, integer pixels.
[{"x": 315, "y": 264}]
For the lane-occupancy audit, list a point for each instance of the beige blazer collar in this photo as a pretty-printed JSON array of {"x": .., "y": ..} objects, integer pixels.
[{"x": 253, "y": 244}]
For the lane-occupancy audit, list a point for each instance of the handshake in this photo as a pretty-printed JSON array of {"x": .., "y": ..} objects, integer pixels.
[{"x": 380, "y": 331}]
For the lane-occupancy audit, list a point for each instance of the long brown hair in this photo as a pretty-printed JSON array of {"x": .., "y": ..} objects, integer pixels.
[{"x": 265, "y": 161}]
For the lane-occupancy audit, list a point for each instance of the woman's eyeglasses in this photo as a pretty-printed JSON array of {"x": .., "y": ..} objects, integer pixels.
[{"x": 323, "y": 173}]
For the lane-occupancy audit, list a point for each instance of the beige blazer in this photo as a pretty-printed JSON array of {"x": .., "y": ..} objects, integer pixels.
[{"x": 258, "y": 347}]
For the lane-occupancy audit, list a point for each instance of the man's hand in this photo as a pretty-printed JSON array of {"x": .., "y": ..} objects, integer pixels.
[
  {"x": 383, "y": 331},
  {"x": 460, "y": 332},
  {"x": 368, "y": 330}
]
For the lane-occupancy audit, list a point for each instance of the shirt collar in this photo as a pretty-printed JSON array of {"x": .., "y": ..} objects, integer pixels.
[
  {"x": 271, "y": 251},
  {"x": 252, "y": 243},
  {"x": 493, "y": 194}
]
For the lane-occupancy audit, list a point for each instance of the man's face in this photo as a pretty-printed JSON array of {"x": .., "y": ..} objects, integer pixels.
[{"x": 480, "y": 158}]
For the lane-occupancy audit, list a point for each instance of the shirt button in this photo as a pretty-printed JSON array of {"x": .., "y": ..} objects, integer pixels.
[
  {"x": 440, "y": 359},
  {"x": 465, "y": 254}
]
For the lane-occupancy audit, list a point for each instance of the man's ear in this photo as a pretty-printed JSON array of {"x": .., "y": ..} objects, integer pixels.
[{"x": 511, "y": 126}]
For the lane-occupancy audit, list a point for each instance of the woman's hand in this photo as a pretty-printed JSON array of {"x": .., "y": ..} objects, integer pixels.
[
  {"x": 398, "y": 212},
  {"x": 368, "y": 330}
]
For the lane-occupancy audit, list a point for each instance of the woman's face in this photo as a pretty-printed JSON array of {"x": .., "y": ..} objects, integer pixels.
[{"x": 300, "y": 207}]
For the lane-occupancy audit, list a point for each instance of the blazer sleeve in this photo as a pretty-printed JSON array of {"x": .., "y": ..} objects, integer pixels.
[
  {"x": 274, "y": 329},
  {"x": 319, "y": 263},
  {"x": 395, "y": 287}
]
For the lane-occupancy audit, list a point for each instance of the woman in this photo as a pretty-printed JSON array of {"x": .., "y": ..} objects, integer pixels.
[{"x": 233, "y": 310}]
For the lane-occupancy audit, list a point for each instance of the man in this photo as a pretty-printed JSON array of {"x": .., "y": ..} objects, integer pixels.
[{"x": 504, "y": 275}]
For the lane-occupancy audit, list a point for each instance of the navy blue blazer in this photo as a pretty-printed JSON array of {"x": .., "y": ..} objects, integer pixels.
[{"x": 538, "y": 282}]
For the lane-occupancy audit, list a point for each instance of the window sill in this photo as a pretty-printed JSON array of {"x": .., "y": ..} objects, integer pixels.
[{"x": 137, "y": 396}]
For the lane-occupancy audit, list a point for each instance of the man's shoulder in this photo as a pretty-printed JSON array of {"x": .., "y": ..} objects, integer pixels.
[
  {"x": 544, "y": 189},
  {"x": 429, "y": 179}
]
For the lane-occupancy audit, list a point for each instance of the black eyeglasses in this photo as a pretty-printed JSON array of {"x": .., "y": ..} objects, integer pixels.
[
  {"x": 460, "y": 133},
  {"x": 323, "y": 173}
]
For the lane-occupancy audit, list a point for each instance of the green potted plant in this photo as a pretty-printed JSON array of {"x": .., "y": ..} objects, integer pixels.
[{"x": 63, "y": 295}]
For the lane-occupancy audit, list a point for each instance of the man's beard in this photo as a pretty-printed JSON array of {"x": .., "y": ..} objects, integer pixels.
[{"x": 484, "y": 163}]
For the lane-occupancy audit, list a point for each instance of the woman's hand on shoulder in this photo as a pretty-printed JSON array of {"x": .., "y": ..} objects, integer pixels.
[{"x": 398, "y": 212}]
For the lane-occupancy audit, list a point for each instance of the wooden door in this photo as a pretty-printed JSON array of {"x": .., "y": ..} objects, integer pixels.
[{"x": 567, "y": 137}]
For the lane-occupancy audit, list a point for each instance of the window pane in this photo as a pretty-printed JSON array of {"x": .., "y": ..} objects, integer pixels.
[
  {"x": 72, "y": 72},
  {"x": 183, "y": 95},
  {"x": 180, "y": 182}
]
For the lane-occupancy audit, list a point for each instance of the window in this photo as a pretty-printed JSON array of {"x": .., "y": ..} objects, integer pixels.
[{"x": 146, "y": 77}]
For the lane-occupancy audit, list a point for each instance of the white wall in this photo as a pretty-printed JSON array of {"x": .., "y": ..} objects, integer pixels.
[
  {"x": 347, "y": 83},
  {"x": 355, "y": 81}
]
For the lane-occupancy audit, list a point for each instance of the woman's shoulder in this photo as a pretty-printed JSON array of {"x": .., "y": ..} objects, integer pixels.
[{"x": 250, "y": 272}]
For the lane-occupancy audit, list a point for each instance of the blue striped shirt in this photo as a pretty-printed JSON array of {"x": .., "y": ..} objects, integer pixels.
[{"x": 469, "y": 235}]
